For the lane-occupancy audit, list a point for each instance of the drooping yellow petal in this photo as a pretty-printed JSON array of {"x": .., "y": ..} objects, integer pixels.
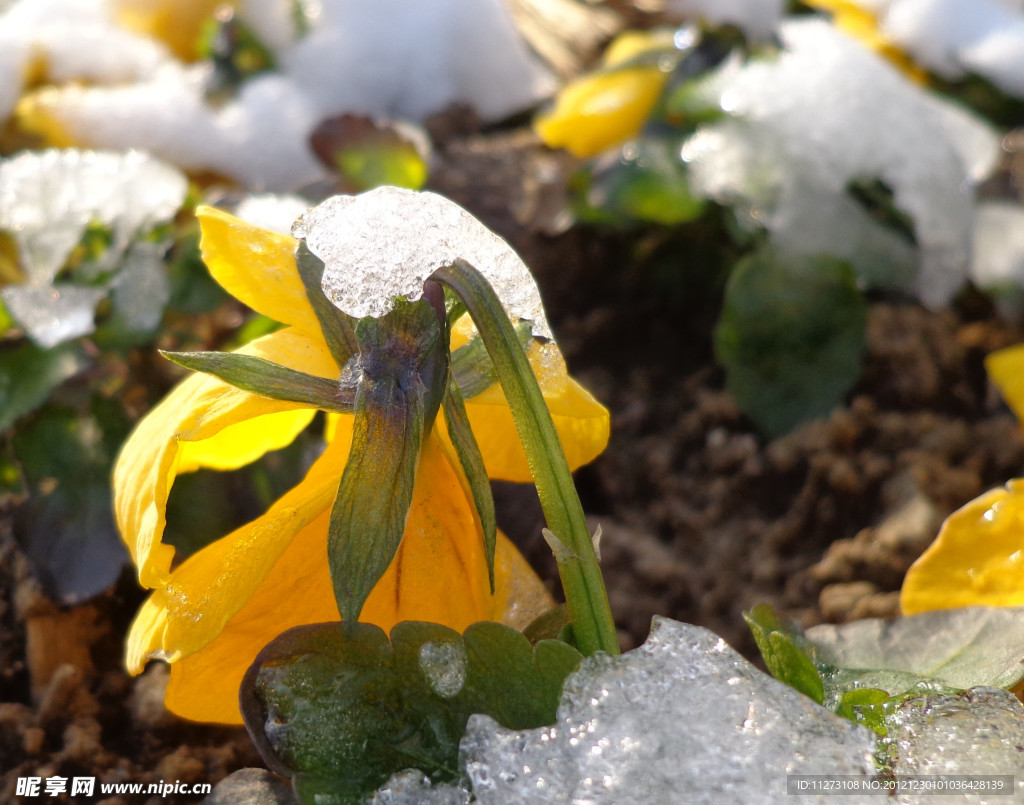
[
  {"x": 1006, "y": 369},
  {"x": 197, "y": 409},
  {"x": 177, "y": 23},
  {"x": 244, "y": 442},
  {"x": 257, "y": 267},
  {"x": 977, "y": 558},
  {"x": 582, "y": 423},
  {"x": 438, "y": 575},
  {"x": 215, "y": 583}
]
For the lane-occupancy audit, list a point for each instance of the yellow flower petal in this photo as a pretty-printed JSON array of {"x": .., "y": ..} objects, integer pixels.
[
  {"x": 177, "y": 23},
  {"x": 257, "y": 267},
  {"x": 438, "y": 576},
  {"x": 36, "y": 113},
  {"x": 581, "y": 421},
  {"x": 211, "y": 586},
  {"x": 1006, "y": 369},
  {"x": 245, "y": 442},
  {"x": 977, "y": 559},
  {"x": 599, "y": 111},
  {"x": 609, "y": 106},
  {"x": 197, "y": 409}
]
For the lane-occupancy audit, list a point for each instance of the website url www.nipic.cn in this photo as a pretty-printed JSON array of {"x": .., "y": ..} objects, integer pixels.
[{"x": 88, "y": 787}]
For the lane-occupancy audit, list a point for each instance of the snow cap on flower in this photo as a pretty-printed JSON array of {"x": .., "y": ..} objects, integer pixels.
[{"x": 386, "y": 243}]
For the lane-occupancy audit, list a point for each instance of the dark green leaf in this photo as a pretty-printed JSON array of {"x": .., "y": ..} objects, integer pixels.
[
  {"x": 790, "y": 337},
  {"x": 552, "y": 625},
  {"x": 402, "y": 375},
  {"x": 782, "y": 652},
  {"x": 66, "y": 525},
  {"x": 28, "y": 374},
  {"x": 268, "y": 379},
  {"x": 338, "y": 328},
  {"x": 339, "y": 709},
  {"x": 461, "y": 434}
]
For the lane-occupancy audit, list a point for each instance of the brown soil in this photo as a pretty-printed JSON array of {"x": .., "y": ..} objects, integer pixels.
[{"x": 701, "y": 517}]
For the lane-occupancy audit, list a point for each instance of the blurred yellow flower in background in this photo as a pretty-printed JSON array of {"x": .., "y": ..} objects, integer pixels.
[
  {"x": 978, "y": 557},
  {"x": 609, "y": 106}
]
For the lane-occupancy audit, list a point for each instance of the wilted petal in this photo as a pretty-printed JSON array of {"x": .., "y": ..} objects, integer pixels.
[
  {"x": 977, "y": 559},
  {"x": 199, "y": 408}
]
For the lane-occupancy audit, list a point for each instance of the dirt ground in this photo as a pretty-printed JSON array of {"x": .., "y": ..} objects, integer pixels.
[{"x": 701, "y": 517}]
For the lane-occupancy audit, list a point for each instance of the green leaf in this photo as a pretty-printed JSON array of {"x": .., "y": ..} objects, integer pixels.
[
  {"x": 339, "y": 708},
  {"x": 29, "y": 373},
  {"x": 66, "y": 525},
  {"x": 338, "y": 328},
  {"x": 790, "y": 337},
  {"x": 268, "y": 379},
  {"x": 472, "y": 461},
  {"x": 369, "y": 153},
  {"x": 402, "y": 375},
  {"x": 783, "y": 656},
  {"x": 956, "y": 648},
  {"x": 649, "y": 183}
]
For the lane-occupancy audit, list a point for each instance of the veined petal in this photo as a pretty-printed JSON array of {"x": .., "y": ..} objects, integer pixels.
[
  {"x": 1006, "y": 368},
  {"x": 583, "y": 424},
  {"x": 257, "y": 267},
  {"x": 197, "y": 409},
  {"x": 244, "y": 442},
  {"x": 209, "y": 588},
  {"x": 977, "y": 558},
  {"x": 438, "y": 575},
  {"x": 581, "y": 421}
]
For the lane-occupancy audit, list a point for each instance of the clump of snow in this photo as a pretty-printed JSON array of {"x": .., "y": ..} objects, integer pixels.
[
  {"x": 49, "y": 198},
  {"x": 956, "y": 37},
  {"x": 384, "y": 244},
  {"x": 384, "y": 58},
  {"x": 757, "y": 18},
  {"x": 73, "y": 40},
  {"x": 825, "y": 115},
  {"x": 274, "y": 212},
  {"x": 998, "y": 265},
  {"x": 684, "y": 718}
]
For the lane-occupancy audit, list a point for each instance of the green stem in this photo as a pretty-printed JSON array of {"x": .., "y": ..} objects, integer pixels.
[{"x": 578, "y": 567}]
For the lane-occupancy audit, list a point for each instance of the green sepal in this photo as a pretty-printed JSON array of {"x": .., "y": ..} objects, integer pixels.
[
  {"x": 401, "y": 372},
  {"x": 339, "y": 708},
  {"x": 268, "y": 379},
  {"x": 472, "y": 366},
  {"x": 783, "y": 653},
  {"x": 461, "y": 434},
  {"x": 338, "y": 328}
]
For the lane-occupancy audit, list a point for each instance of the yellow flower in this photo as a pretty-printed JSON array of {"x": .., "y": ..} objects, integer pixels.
[
  {"x": 978, "y": 557},
  {"x": 178, "y": 23},
  {"x": 210, "y": 616},
  {"x": 607, "y": 107},
  {"x": 862, "y": 25}
]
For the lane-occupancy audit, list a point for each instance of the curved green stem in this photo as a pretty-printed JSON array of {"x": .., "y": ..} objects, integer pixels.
[{"x": 578, "y": 567}]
